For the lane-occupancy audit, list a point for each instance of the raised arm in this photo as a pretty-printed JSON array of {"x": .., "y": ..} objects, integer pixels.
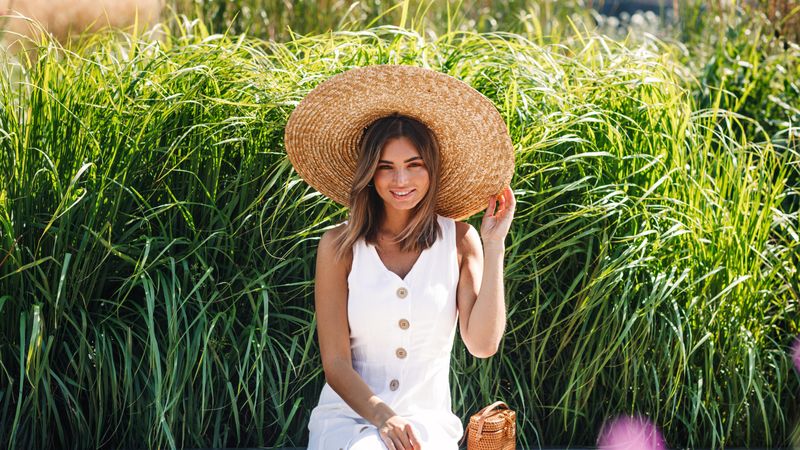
[{"x": 480, "y": 294}]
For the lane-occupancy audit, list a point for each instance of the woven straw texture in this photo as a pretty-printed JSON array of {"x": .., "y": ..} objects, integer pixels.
[
  {"x": 492, "y": 429},
  {"x": 323, "y": 132}
]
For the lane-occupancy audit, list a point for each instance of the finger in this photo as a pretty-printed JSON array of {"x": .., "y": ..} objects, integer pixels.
[
  {"x": 404, "y": 437},
  {"x": 398, "y": 444},
  {"x": 506, "y": 198},
  {"x": 502, "y": 204},
  {"x": 490, "y": 208},
  {"x": 411, "y": 437},
  {"x": 415, "y": 440},
  {"x": 388, "y": 443}
]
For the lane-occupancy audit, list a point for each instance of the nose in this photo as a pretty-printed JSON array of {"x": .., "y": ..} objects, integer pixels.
[{"x": 400, "y": 176}]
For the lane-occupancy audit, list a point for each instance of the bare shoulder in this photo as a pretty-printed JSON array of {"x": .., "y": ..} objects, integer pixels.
[
  {"x": 468, "y": 240},
  {"x": 331, "y": 234},
  {"x": 326, "y": 252},
  {"x": 461, "y": 229}
]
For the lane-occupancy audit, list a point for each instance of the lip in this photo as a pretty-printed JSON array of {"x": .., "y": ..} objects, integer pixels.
[{"x": 405, "y": 198}]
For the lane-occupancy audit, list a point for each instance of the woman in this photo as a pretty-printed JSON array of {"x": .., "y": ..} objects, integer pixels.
[{"x": 392, "y": 281}]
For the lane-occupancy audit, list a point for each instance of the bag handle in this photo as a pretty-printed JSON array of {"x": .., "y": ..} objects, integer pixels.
[
  {"x": 484, "y": 413},
  {"x": 488, "y": 409}
]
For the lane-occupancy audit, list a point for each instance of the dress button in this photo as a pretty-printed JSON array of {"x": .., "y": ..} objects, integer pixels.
[
  {"x": 394, "y": 384},
  {"x": 400, "y": 352},
  {"x": 402, "y": 292},
  {"x": 404, "y": 324}
]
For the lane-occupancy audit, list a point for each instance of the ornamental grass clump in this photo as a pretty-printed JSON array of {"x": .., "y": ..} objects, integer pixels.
[{"x": 157, "y": 284}]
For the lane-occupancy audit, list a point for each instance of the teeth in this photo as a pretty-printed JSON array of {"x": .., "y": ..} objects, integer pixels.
[{"x": 402, "y": 194}]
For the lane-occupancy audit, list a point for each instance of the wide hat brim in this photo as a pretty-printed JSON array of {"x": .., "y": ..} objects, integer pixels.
[{"x": 477, "y": 157}]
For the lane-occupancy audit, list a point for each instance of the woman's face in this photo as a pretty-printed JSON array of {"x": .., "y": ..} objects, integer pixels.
[{"x": 401, "y": 171}]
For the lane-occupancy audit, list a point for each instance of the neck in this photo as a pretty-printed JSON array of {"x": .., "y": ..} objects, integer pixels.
[{"x": 394, "y": 221}]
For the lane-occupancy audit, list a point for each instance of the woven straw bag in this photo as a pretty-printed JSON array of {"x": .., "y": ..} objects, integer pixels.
[{"x": 492, "y": 429}]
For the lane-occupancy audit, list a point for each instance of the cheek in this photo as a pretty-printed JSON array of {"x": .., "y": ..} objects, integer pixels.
[
  {"x": 381, "y": 176},
  {"x": 423, "y": 178}
]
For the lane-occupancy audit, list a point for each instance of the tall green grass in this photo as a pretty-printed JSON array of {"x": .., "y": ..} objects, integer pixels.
[
  {"x": 157, "y": 281},
  {"x": 280, "y": 20}
]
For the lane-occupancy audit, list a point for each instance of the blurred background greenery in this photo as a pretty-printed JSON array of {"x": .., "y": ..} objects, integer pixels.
[
  {"x": 278, "y": 19},
  {"x": 156, "y": 282}
]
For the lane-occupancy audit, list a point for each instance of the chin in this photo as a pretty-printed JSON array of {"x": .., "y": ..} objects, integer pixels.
[{"x": 408, "y": 207}]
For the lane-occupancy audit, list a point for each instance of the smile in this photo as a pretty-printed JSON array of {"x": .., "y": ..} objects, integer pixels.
[{"x": 402, "y": 195}]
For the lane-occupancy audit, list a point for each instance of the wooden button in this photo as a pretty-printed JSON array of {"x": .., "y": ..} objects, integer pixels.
[
  {"x": 402, "y": 292},
  {"x": 394, "y": 384},
  {"x": 404, "y": 324},
  {"x": 400, "y": 352}
]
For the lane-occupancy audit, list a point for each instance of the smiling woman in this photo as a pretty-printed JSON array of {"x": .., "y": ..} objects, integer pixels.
[
  {"x": 405, "y": 179},
  {"x": 395, "y": 281},
  {"x": 396, "y": 181}
]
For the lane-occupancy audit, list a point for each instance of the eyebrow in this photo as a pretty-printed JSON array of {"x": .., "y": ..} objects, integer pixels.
[{"x": 408, "y": 160}]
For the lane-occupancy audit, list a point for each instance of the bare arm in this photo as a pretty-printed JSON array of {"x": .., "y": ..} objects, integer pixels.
[
  {"x": 481, "y": 291},
  {"x": 481, "y": 298},
  {"x": 330, "y": 300}
]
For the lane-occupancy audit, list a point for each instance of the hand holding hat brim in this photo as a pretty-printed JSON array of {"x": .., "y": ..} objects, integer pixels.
[{"x": 497, "y": 218}]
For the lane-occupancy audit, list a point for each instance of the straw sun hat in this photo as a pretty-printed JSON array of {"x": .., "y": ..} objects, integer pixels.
[{"x": 477, "y": 157}]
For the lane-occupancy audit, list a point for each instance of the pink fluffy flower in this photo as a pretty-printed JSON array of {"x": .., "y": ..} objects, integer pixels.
[
  {"x": 796, "y": 354},
  {"x": 631, "y": 433}
]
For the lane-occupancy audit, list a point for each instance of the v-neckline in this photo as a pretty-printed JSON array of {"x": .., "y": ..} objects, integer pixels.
[{"x": 374, "y": 250}]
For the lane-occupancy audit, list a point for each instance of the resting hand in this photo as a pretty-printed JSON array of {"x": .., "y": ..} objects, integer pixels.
[{"x": 398, "y": 434}]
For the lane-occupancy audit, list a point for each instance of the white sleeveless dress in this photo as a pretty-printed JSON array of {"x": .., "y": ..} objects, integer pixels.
[{"x": 401, "y": 335}]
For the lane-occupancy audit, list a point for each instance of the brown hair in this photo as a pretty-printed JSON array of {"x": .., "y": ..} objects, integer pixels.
[{"x": 366, "y": 206}]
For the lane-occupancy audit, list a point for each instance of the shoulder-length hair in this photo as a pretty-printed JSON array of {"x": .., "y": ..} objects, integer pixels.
[{"x": 366, "y": 206}]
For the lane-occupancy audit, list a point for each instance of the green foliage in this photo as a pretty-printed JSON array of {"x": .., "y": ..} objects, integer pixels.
[
  {"x": 157, "y": 281},
  {"x": 280, "y": 20}
]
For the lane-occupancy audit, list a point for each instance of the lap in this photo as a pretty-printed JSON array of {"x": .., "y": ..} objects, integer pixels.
[{"x": 357, "y": 434}]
